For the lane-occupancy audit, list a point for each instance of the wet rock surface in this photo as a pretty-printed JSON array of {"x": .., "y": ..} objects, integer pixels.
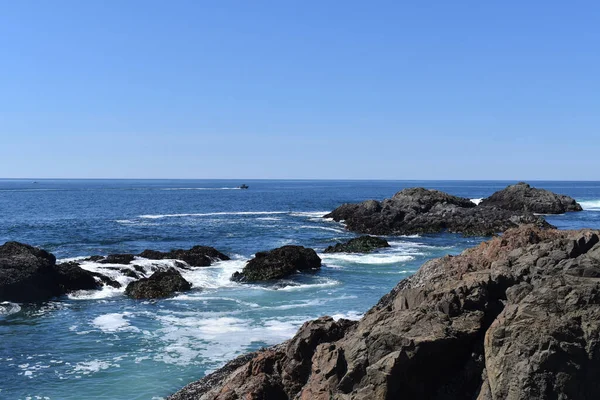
[
  {"x": 523, "y": 197},
  {"x": 197, "y": 256},
  {"x": 159, "y": 285},
  {"x": 517, "y": 317},
  {"x": 419, "y": 210},
  {"x": 29, "y": 274},
  {"x": 363, "y": 244},
  {"x": 278, "y": 263}
]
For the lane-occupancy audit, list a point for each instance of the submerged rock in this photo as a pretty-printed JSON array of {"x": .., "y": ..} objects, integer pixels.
[
  {"x": 363, "y": 244},
  {"x": 418, "y": 210},
  {"x": 517, "y": 317},
  {"x": 278, "y": 263},
  {"x": 117, "y": 259},
  {"x": 523, "y": 197},
  {"x": 29, "y": 274},
  {"x": 197, "y": 256},
  {"x": 159, "y": 285}
]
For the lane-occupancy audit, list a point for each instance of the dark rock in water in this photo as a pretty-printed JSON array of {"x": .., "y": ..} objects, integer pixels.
[
  {"x": 94, "y": 258},
  {"x": 419, "y": 210},
  {"x": 363, "y": 244},
  {"x": 278, "y": 263},
  {"x": 106, "y": 280},
  {"x": 118, "y": 259},
  {"x": 26, "y": 273},
  {"x": 29, "y": 274},
  {"x": 160, "y": 284},
  {"x": 197, "y": 256},
  {"x": 72, "y": 277},
  {"x": 517, "y": 317},
  {"x": 522, "y": 197}
]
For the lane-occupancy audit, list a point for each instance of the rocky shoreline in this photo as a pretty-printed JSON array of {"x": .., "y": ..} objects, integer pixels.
[{"x": 516, "y": 317}]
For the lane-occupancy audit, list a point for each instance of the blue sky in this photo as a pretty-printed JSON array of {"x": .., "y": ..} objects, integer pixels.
[{"x": 300, "y": 89}]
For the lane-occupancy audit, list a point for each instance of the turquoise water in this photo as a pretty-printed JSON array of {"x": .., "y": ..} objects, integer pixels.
[{"x": 102, "y": 345}]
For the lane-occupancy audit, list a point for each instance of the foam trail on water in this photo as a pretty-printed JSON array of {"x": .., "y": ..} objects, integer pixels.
[
  {"x": 158, "y": 216},
  {"x": 379, "y": 258},
  {"x": 590, "y": 205}
]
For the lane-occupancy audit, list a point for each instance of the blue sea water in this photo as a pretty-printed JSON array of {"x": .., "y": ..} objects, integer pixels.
[{"x": 102, "y": 345}]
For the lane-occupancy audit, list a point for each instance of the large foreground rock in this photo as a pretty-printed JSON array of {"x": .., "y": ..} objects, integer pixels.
[
  {"x": 418, "y": 210},
  {"x": 29, "y": 274},
  {"x": 197, "y": 256},
  {"x": 278, "y": 263},
  {"x": 517, "y": 317},
  {"x": 523, "y": 197},
  {"x": 363, "y": 244},
  {"x": 159, "y": 285}
]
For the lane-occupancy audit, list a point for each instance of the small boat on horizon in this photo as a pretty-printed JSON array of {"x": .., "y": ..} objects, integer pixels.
[{"x": 243, "y": 186}]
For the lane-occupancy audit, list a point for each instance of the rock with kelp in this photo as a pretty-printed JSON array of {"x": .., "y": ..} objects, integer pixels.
[
  {"x": 160, "y": 284},
  {"x": 278, "y": 263},
  {"x": 363, "y": 244}
]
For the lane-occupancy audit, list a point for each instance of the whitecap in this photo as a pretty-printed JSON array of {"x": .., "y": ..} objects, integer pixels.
[
  {"x": 324, "y": 228},
  {"x": 158, "y": 216},
  {"x": 309, "y": 214},
  {"x": 476, "y": 201},
  {"x": 351, "y": 315},
  {"x": 590, "y": 205},
  {"x": 378, "y": 258},
  {"x": 8, "y": 308}
]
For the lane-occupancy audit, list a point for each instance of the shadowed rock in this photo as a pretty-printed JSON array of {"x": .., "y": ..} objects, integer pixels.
[
  {"x": 116, "y": 259},
  {"x": 523, "y": 197},
  {"x": 517, "y": 317},
  {"x": 363, "y": 244},
  {"x": 278, "y": 263},
  {"x": 159, "y": 285},
  {"x": 418, "y": 210},
  {"x": 29, "y": 274}
]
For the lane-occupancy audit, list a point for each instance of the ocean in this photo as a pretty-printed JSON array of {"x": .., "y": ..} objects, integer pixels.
[{"x": 102, "y": 345}]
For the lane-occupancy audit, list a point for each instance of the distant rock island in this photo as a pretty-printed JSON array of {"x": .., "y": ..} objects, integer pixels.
[
  {"x": 420, "y": 210},
  {"x": 517, "y": 317}
]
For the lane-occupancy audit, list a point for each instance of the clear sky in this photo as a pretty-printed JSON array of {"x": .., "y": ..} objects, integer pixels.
[{"x": 300, "y": 89}]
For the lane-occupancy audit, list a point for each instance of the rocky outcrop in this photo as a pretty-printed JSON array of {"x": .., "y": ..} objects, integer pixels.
[
  {"x": 197, "y": 256},
  {"x": 517, "y": 317},
  {"x": 159, "y": 285},
  {"x": 278, "y": 263},
  {"x": 418, "y": 210},
  {"x": 363, "y": 244},
  {"x": 29, "y": 274},
  {"x": 523, "y": 197}
]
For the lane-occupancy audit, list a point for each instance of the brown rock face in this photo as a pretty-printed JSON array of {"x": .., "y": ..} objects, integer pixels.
[{"x": 517, "y": 317}]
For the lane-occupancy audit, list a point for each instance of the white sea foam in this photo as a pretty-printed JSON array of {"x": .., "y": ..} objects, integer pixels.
[
  {"x": 476, "y": 201},
  {"x": 590, "y": 205},
  {"x": 212, "y": 214},
  {"x": 216, "y": 276},
  {"x": 203, "y": 188},
  {"x": 352, "y": 315},
  {"x": 377, "y": 258},
  {"x": 114, "y": 322},
  {"x": 8, "y": 308},
  {"x": 309, "y": 214},
  {"x": 90, "y": 367},
  {"x": 323, "y": 228}
]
